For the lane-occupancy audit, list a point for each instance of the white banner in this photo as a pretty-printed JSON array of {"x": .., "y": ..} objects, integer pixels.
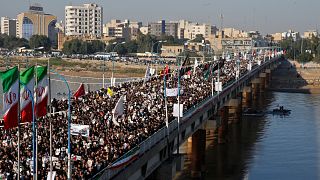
[
  {"x": 259, "y": 62},
  {"x": 237, "y": 74},
  {"x": 77, "y": 129},
  {"x": 176, "y": 110},
  {"x": 218, "y": 86},
  {"x": 173, "y": 92},
  {"x": 249, "y": 66}
]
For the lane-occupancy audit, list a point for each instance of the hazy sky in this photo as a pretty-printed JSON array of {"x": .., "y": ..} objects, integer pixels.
[{"x": 266, "y": 16}]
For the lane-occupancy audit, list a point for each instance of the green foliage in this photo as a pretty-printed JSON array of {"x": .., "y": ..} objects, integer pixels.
[
  {"x": 77, "y": 46},
  {"x": 37, "y": 41},
  {"x": 199, "y": 38},
  {"x": 305, "y": 57},
  {"x": 12, "y": 42}
]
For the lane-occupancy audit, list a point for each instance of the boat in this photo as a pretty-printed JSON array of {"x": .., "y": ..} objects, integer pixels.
[
  {"x": 281, "y": 111},
  {"x": 252, "y": 112}
]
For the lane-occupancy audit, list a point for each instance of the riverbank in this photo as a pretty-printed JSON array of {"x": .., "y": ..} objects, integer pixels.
[{"x": 293, "y": 77}]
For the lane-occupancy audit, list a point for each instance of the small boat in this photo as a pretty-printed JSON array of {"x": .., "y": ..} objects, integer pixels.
[
  {"x": 252, "y": 112},
  {"x": 281, "y": 111}
]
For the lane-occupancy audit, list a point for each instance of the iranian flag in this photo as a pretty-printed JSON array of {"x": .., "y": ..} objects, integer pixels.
[
  {"x": 41, "y": 91},
  {"x": 27, "y": 79},
  {"x": 10, "y": 85},
  {"x": 126, "y": 159}
]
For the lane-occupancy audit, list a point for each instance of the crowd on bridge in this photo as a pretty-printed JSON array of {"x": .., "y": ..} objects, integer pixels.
[{"x": 144, "y": 114}]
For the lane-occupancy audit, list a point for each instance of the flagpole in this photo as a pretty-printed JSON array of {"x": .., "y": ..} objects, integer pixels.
[
  {"x": 19, "y": 118},
  {"x": 178, "y": 140},
  {"x": 36, "y": 129},
  {"x": 50, "y": 121},
  {"x": 69, "y": 123}
]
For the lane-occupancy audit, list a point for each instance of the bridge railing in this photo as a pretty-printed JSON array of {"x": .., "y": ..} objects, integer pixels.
[{"x": 151, "y": 141}]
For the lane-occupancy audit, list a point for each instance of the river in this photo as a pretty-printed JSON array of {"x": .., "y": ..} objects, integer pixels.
[{"x": 270, "y": 147}]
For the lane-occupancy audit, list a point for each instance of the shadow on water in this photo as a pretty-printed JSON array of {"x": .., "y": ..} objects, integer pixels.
[{"x": 232, "y": 160}]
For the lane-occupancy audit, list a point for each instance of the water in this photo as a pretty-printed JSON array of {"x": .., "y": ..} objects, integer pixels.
[{"x": 270, "y": 147}]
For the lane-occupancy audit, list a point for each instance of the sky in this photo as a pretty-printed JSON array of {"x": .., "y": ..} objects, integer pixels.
[{"x": 265, "y": 16}]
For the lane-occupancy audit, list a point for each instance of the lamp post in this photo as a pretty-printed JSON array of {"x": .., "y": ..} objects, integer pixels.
[
  {"x": 116, "y": 45},
  {"x": 69, "y": 121}
]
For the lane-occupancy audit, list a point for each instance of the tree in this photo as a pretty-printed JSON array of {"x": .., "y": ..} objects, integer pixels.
[
  {"x": 305, "y": 57},
  {"x": 12, "y": 42},
  {"x": 199, "y": 38},
  {"x": 37, "y": 41},
  {"x": 77, "y": 46}
]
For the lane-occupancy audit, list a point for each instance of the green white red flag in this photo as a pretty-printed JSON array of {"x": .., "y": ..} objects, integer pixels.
[
  {"x": 41, "y": 91},
  {"x": 10, "y": 85},
  {"x": 27, "y": 79}
]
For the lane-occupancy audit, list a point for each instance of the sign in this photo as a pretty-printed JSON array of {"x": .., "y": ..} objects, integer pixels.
[
  {"x": 176, "y": 110},
  {"x": 218, "y": 86},
  {"x": 77, "y": 129}
]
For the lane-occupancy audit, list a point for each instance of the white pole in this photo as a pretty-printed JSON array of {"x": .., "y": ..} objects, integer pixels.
[
  {"x": 19, "y": 118},
  {"x": 36, "y": 99},
  {"x": 50, "y": 109}
]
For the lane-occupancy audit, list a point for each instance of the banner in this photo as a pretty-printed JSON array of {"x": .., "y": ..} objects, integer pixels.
[
  {"x": 176, "y": 110},
  {"x": 218, "y": 86},
  {"x": 173, "y": 92},
  {"x": 77, "y": 129}
]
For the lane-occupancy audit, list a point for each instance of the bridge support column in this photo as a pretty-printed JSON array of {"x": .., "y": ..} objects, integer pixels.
[
  {"x": 255, "y": 88},
  {"x": 223, "y": 128},
  {"x": 268, "y": 77},
  {"x": 246, "y": 96},
  {"x": 198, "y": 153},
  {"x": 234, "y": 112},
  {"x": 262, "y": 81}
]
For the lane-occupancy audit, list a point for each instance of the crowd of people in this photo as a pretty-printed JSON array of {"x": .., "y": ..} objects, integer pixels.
[{"x": 144, "y": 114}]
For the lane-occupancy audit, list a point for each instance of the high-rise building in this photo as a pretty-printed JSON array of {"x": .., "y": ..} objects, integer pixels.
[
  {"x": 163, "y": 28},
  {"x": 85, "y": 20},
  {"x": 8, "y": 26},
  {"x": 36, "y": 22}
]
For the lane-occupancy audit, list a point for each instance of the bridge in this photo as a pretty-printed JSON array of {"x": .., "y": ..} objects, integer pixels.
[{"x": 158, "y": 154}]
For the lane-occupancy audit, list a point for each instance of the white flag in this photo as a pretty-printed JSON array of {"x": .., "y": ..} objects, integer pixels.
[
  {"x": 176, "y": 110},
  {"x": 195, "y": 66},
  {"x": 147, "y": 74},
  {"x": 118, "y": 110}
]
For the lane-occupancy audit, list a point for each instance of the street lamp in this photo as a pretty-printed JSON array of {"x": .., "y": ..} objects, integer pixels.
[{"x": 116, "y": 45}]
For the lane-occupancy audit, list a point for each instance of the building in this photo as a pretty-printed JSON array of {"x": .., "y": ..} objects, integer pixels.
[
  {"x": 189, "y": 30},
  {"x": 276, "y": 37},
  {"x": 85, "y": 20},
  {"x": 62, "y": 38},
  {"x": 8, "y": 26},
  {"x": 36, "y": 22},
  {"x": 126, "y": 29},
  {"x": 171, "y": 51},
  {"x": 162, "y": 28},
  {"x": 309, "y": 34}
]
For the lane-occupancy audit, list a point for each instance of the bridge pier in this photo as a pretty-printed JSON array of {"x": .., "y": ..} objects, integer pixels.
[
  {"x": 223, "y": 128},
  {"x": 262, "y": 77},
  {"x": 198, "y": 154},
  {"x": 246, "y": 96},
  {"x": 234, "y": 112},
  {"x": 268, "y": 77},
  {"x": 255, "y": 88}
]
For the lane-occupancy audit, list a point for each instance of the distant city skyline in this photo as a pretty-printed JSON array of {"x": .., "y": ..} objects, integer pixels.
[{"x": 265, "y": 16}]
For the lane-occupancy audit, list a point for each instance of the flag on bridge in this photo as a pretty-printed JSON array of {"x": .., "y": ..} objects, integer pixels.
[
  {"x": 80, "y": 92},
  {"x": 127, "y": 158},
  {"x": 109, "y": 92},
  {"x": 27, "y": 79},
  {"x": 41, "y": 91},
  {"x": 10, "y": 85}
]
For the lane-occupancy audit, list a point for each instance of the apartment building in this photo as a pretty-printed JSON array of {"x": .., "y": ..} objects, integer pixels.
[
  {"x": 163, "y": 28},
  {"x": 84, "y": 20},
  {"x": 8, "y": 26},
  {"x": 311, "y": 33},
  {"x": 122, "y": 29}
]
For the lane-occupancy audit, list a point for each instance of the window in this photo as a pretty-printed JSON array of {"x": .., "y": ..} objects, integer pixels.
[{"x": 27, "y": 28}]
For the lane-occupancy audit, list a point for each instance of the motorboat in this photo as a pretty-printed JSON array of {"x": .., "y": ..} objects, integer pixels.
[{"x": 281, "y": 111}]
